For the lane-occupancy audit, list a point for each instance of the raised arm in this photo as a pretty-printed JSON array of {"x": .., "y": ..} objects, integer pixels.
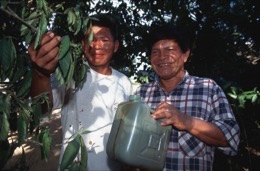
[{"x": 45, "y": 61}]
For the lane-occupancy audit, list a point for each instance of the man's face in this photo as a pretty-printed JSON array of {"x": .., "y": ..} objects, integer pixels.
[
  {"x": 167, "y": 59},
  {"x": 101, "y": 49}
]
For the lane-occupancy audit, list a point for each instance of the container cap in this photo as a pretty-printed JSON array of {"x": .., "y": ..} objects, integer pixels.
[{"x": 134, "y": 98}]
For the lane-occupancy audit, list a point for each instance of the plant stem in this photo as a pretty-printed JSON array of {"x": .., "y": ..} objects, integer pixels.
[{"x": 12, "y": 13}]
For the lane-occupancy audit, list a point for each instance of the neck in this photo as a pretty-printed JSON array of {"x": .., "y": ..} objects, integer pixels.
[
  {"x": 102, "y": 70},
  {"x": 170, "y": 84}
]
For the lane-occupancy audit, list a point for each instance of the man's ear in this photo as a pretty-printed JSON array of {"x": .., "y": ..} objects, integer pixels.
[
  {"x": 186, "y": 55},
  {"x": 116, "y": 46}
]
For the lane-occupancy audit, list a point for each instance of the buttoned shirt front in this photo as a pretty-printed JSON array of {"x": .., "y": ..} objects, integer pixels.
[{"x": 203, "y": 99}]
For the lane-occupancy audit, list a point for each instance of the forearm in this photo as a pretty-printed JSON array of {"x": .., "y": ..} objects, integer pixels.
[
  {"x": 40, "y": 84},
  {"x": 207, "y": 132}
]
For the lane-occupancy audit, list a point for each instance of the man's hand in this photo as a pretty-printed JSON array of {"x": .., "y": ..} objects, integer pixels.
[
  {"x": 207, "y": 132},
  {"x": 173, "y": 117},
  {"x": 45, "y": 58}
]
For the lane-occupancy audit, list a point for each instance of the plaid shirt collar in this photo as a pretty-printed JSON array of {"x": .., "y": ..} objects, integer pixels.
[{"x": 181, "y": 83}]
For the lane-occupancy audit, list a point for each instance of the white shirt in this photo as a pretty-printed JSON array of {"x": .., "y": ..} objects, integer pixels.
[{"x": 93, "y": 108}]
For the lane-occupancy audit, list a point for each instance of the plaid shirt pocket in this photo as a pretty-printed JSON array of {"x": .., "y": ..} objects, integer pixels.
[{"x": 191, "y": 146}]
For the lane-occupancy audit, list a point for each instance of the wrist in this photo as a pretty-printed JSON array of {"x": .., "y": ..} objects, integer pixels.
[
  {"x": 189, "y": 123},
  {"x": 40, "y": 73}
]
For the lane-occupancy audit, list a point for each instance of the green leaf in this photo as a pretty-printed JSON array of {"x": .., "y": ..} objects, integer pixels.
[
  {"x": 71, "y": 17},
  {"x": 40, "y": 139},
  {"x": 65, "y": 64},
  {"x": 28, "y": 38},
  {"x": 19, "y": 74},
  {"x": 70, "y": 153},
  {"x": 24, "y": 29},
  {"x": 7, "y": 53},
  {"x": 5, "y": 103},
  {"x": 84, "y": 155},
  {"x": 4, "y": 126},
  {"x": 5, "y": 151},
  {"x": 232, "y": 96},
  {"x": 41, "y": 30},
  {"x": 33, "y": 19},
  {"x": 40, "y": 136},
  {"x": 70, "y": 73},
  {"x": 45, "y": 8},
  {"x": 25, "y": 86},
  {"x": 84, "y": 70},
  {"x": 24, "y": 109},
  {"x": 21, "y": 130},
  {"x": 37, "y": 113},
  {"x": 46, "y": 144},
  {"x": 59, "y": 76},
  {"x": 84, "y": 25},
  {"x": 91, "y": 35},
  {"x": 254, "y": 98},
  {"x": 32, "y": 16},
  {"x": 78, "y": 23},
  {"x": 80, "y": 74},
  {"x": 241, "y": 99},
  {"x": 41, "y": 98},
  {"x": 234, "y": 90},
  {"x": 249, "y": 96},
  {"x": 74, "y": 167},
  {"x": 64, "y": 46},
  {"x": 39, "y": 4}
]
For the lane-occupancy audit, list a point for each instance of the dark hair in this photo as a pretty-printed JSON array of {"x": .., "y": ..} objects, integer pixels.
[
  {"x": 167, "y": 31},
  {"x": 106, "y": 20}
]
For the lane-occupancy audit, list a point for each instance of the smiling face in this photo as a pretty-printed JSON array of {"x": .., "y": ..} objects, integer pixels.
[
  {"x": 99, "y": 53},
  {"x": 168, "y": 60}
]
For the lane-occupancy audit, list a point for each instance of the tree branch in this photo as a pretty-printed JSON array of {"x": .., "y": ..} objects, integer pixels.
[
  {"x": 20, "y": 2},
  {"x": 10, "y": 12}
]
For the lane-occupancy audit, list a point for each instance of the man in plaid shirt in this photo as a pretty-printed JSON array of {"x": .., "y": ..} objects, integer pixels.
[{"x": 197, "y": 108}]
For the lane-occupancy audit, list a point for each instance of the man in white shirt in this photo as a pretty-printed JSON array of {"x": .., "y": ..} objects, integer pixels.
[{"x": 93, "y": 107}]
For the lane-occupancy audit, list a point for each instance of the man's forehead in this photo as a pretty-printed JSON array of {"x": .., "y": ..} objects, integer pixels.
[{"x": 164, "y": 44}]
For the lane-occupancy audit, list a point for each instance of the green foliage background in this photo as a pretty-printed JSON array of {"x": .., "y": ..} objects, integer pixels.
[{"x": 225, "y": 38}]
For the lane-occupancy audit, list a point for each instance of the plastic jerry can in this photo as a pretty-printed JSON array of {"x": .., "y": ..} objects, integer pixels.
[{"x": 137, "y": 139}]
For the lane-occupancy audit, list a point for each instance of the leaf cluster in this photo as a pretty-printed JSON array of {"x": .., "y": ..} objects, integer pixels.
[{"x": 19, "y": 112}]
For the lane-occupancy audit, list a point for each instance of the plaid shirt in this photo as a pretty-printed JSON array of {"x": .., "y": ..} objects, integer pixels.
[{"x": 203, "y": 99}]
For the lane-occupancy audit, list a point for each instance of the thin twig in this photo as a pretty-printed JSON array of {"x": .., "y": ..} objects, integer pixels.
[
  {"x": 20, "y": 2},
  {"x": 12, "y": 13}
]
